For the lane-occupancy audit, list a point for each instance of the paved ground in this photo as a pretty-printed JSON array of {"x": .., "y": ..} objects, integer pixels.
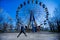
[{"x": 30, "y": 36}]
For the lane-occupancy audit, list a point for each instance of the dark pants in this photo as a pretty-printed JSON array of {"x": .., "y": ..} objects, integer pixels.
[{"x": 21, "y": 32}]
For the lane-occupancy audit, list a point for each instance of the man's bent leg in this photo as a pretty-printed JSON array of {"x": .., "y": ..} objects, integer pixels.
[
  {"x": 24, "y": 33},
  {"x": 19, "y": 34}
]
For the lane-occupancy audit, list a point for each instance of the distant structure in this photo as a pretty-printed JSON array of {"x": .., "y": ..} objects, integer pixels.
[
  {"x": 6, "y": 21},
  {"x": 32, "y": 21}
]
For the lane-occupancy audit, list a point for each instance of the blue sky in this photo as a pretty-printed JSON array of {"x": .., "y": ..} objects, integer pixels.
[{"x": 10, "y": 6}]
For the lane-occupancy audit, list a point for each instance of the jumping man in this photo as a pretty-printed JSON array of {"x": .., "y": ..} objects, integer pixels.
[{"x": 22, "y": 31}]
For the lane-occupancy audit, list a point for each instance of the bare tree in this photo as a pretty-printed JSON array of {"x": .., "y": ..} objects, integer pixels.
[
  {"x": 51, "y": 24},
  {"x": 57, "y": 18}
]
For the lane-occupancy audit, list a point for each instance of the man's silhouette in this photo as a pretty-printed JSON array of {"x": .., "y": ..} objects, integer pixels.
[{"x": 22, "y": 30}]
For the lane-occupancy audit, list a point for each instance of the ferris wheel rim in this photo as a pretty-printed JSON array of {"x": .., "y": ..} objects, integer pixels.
[{"x": 40, "y": 3}]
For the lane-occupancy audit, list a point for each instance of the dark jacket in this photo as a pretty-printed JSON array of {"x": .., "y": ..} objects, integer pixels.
[{"x": 22, "y": 28}]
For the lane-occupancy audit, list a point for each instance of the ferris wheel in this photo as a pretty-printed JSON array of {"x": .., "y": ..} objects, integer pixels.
[{"x": 32, "y": 10}]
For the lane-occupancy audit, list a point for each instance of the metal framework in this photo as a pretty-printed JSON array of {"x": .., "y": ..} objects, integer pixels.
[{"x": 31, "y": 14}]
